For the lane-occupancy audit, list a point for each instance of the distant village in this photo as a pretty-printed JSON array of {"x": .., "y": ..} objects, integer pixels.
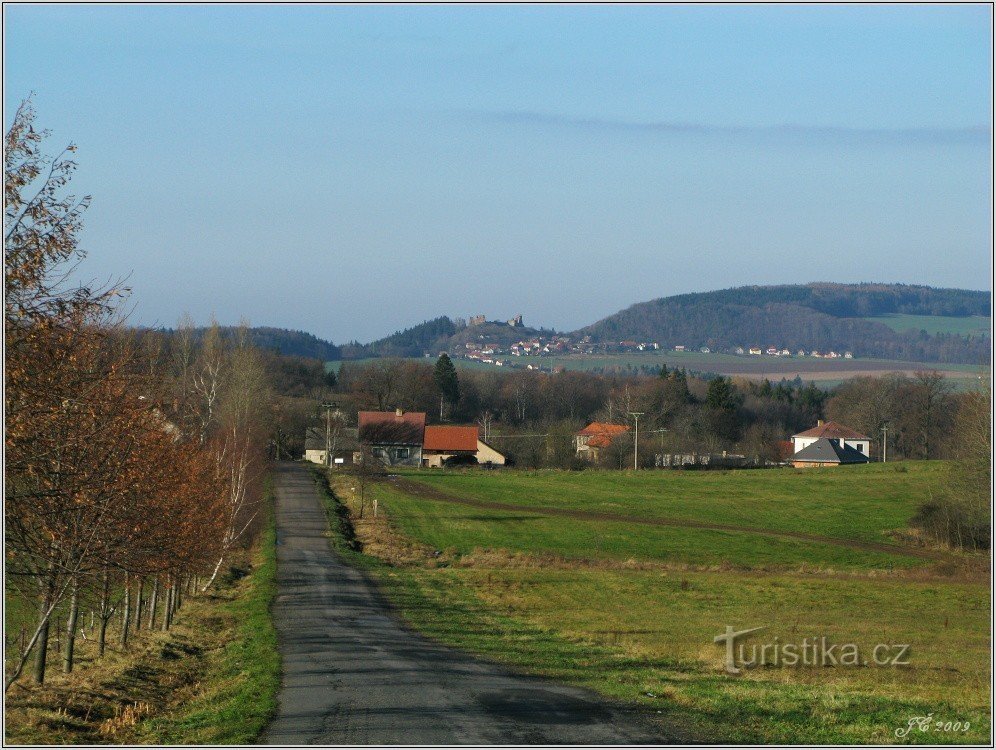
[
  {"x": 402, "y": 438},
  {"x": 489, "y": 350}
]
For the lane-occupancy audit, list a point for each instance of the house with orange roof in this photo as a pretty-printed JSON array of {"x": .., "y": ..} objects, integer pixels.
[
  {"x": 595, "y": 437},
  {"x": 452, "y": 444}
]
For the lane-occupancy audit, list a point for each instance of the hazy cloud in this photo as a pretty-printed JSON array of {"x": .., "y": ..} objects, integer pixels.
[{"x": 796, "y": 132}]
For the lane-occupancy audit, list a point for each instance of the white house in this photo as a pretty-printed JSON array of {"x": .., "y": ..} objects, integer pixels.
[{"x": 832, "y": 431}]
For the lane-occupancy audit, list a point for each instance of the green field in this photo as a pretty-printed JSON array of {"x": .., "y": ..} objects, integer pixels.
[
  {"x": 630, "y": 609},
  {"x": 826, "y": 372},
  {"x": 975, "y": 325}
]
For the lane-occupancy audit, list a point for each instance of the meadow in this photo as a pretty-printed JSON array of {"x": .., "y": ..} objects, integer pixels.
[
  {"x": 975, "y": 325},
  {"x": 565, "y": 574},
  {"x": 824, "y": 372}
]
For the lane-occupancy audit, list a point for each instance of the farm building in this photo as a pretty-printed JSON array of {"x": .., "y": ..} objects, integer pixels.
[
  {"x": 596, "y": 436},
  {"x": 344, "y": 443},
  {"x": 444, "y": 444}
]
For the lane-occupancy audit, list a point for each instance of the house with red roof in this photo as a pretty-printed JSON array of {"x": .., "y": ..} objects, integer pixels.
[
  {"x": 843, "y": 436},
  {"x": 449, "y": 444},
  {"x": 595, "y": 437}
]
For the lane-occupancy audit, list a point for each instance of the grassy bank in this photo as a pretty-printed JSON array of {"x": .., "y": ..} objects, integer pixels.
[
  {"x": 212, "y": 679},
  {"x": 536, "y": 593}
]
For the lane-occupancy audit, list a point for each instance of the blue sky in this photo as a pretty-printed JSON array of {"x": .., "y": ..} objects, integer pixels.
[{"x": 352, "y": 170}]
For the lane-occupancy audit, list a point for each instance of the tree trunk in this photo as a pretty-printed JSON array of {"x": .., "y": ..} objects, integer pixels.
[
  {"x": 126, "y": 612},
  {"x": 74, "y": 610},
  {"x": 138, "y": 604},
  {"x": 41, "y": 649},
  {"x": 104, "y": 615},
  {"x": 168, "y": 603},
  {"x": 214, "y": 573},
  {"x": 153, "y": 601}
]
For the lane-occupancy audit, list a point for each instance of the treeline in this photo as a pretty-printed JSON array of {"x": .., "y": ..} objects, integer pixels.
[
  {"x": 819, "y": 316},
  {"x": 852, "y": 300},
  {"x": 532, "y": 416},
  {"x": 134, "y": 464},
  {"x": 428, "y": 336},
  {"x": 276, "y": 340}
]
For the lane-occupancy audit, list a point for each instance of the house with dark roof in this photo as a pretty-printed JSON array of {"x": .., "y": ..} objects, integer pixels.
[
  {"x": 394, "y": 437},
  {"x": 343, "y": 441},
  {"x": 595, "y": 437},
  {"x": 827, "y": 452},
  {"x": 833, "y": 431}
]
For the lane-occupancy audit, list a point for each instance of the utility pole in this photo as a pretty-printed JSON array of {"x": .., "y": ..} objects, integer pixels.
[
  {"x": 636, "y": 435},
  {"x": 327, "y": 405},
  {"x": 885, "y": 433}
]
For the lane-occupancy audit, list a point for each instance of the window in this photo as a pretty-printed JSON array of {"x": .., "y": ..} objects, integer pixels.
[{"x": 400, "y": 453}]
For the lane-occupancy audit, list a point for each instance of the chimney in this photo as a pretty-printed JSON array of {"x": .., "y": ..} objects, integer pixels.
[
  {"x": 819, "y": 422},
  {"x": 398, "y": 412}
]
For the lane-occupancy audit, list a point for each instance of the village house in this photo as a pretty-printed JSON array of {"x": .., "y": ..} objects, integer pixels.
[
  {"x": 343, "y": 441},
  {"x": 444, "y": 444},
  {"x": 394, "y": 437},
  {"x": 827, "y": 452},
  {"x": 596, "y": 436},
  {"x": 832, "y": 431}
]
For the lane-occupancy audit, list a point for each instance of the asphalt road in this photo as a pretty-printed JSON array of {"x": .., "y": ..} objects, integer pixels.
[{"x": 352, "y": 674}]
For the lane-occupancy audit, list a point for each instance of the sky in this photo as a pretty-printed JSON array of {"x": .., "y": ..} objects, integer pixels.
[{"x": 353, "y": 170}]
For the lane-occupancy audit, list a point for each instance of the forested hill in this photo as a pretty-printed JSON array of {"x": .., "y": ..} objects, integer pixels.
[
  {"x": 438, "y": 335},
  {"x": 281, "y": 340},
  {"x": 812, "y": 316}
]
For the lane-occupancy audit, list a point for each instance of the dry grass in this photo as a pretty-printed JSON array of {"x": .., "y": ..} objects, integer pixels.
[{"x": 102, "y": 701}]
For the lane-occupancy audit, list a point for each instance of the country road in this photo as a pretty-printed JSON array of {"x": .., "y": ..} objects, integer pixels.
[{"x": 352, "y": 674}]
